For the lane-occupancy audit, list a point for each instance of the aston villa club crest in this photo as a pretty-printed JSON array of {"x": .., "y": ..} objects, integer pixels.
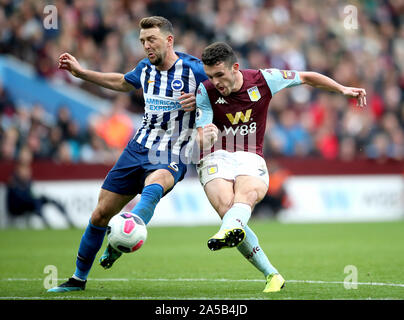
[{"x": 254, "y": 93}]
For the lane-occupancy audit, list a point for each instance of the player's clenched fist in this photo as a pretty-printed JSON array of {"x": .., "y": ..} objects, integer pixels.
[
  {"x": 70, "y": 63},
  {"x": 209, "y": 135}
]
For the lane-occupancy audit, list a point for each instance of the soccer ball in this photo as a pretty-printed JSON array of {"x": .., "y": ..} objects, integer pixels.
[{"x": 126, "y": 232}]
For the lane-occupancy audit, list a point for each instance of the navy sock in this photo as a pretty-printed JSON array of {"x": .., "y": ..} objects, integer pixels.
[
  {"x": 90, "y": 243},
  {"x": 149, "y": 198}
]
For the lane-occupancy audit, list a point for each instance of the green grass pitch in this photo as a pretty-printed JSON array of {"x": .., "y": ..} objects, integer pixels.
[{"x": 175, "y": 263}]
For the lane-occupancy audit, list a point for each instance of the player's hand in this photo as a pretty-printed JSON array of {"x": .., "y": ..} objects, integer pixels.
[
  {"x": 70, "y": 63},
  {"x": 358, "y": 93},
  {"x": 209, "y": 135},
  {"x": 187, "y": 101}
]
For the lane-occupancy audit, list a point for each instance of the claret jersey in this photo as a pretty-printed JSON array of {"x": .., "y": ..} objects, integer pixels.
[{"x": 241, "y": 116}]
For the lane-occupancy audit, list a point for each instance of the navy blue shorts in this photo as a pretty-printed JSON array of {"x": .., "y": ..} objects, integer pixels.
[{"x": 129, "y": 173}]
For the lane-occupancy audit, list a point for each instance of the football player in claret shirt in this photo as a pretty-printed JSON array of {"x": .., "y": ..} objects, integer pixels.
[
  {"x": 155, "y": 158},
  {"x": 232, "y": 110}
]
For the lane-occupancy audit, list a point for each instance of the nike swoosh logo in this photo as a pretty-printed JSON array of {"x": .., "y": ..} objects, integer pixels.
[{"x": 150, "y": 81}]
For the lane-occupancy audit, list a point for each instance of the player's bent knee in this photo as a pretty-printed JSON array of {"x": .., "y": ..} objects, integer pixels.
[
  {"x": 162, "y": 177},
  {"x": 224, "y": 206},
  {"x": 250, "y": 197},
  {"x": 109, "y": 204},
  {"x": 101, "y": 216}
]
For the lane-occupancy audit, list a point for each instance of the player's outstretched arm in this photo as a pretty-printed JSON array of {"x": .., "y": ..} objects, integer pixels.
[
  {"x": 110, "y": 80},
  {"x": 321, "y": 81}
]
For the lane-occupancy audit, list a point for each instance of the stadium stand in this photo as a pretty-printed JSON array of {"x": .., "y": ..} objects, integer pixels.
[{"x": 280, "y": 34}]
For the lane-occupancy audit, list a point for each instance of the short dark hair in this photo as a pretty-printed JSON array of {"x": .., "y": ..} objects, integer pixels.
[
  {"x": 157, "y": 22},
  {"x": 218, "y": 52}
]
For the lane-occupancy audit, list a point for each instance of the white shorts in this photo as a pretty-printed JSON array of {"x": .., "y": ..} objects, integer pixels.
[{"x": 229, "y": 165}]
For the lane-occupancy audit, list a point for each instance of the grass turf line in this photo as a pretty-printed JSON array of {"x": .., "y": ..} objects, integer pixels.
[{"x": 301, "y": 252}]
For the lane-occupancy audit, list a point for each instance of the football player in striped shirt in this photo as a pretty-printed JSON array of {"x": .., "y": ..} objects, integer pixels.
[
  {"x": 232, "y": 111},
  {"x": 155, "y": 158}
]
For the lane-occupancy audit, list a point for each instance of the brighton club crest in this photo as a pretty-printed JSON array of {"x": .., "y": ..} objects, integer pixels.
[
  {"x": 177, "y": 85},
  {"x": 254, "y": 93}
]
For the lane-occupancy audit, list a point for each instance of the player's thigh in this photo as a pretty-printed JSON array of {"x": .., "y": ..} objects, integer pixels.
[
  {"x": 252, "y": 178},
  {"x": 251, "y": 164},
  {"x": 219, "y": 164},
  {"x": 220, "y": 194},
  {"x": 249, "y": 189},
  {"x": 109, "y": 204}
]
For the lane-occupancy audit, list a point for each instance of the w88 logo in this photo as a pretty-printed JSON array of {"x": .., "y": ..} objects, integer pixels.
[{"x": 243, "y": 129}]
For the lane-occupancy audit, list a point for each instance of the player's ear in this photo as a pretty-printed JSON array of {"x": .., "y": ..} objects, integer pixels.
[
  {"x": 236, "y": 67},
  {"x": 170, "y": 40}
]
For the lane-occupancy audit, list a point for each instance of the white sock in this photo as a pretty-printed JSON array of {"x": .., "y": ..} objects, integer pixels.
[
  {"x": 237, "y": 216},
  {"x": 252, "y": 251}
]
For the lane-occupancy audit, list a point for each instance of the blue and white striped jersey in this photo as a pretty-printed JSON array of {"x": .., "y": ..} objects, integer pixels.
[{"x": 165, "y": 126}]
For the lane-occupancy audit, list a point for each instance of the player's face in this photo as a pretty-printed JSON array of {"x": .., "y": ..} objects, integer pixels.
[
  {"x": 154, "y": 44},
  {"x": 222, "y": 77}
]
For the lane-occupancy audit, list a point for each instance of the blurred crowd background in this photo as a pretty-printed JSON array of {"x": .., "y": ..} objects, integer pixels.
[{"x": 285, "y": 34}]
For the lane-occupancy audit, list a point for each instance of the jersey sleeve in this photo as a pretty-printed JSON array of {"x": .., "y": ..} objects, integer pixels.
[
  {"x": 280, "y": 79},
  {"x": 200, "y": 75},
  {"x": 133, "y": 77},
  {"x": 204, "y": 112},
  {"x": 196, "y": 66}
]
